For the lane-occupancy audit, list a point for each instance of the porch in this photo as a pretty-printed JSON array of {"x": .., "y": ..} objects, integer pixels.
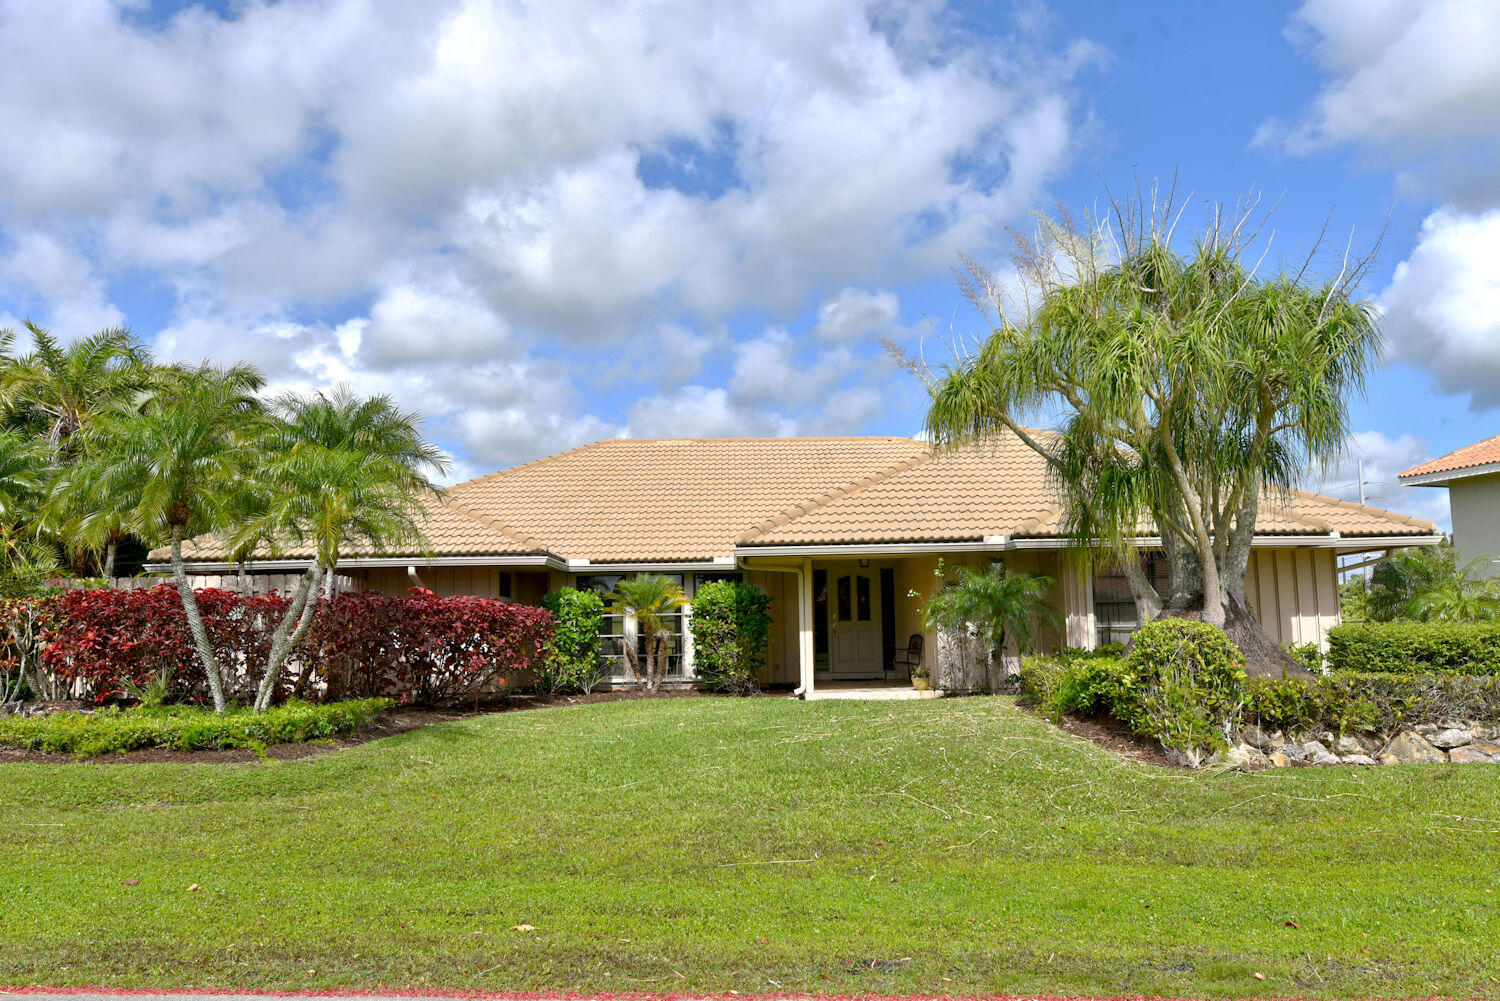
[{"x": 870, "y": 691}]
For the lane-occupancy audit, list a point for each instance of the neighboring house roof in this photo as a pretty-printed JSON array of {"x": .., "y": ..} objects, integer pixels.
[
  {"x": 1471, "y": 460},
  {"x": 1001, "y": 487},
  {"x": 631, "y": 500}
]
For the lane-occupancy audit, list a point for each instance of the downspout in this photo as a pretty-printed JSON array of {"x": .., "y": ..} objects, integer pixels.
[{"x": 804, "y": 585}]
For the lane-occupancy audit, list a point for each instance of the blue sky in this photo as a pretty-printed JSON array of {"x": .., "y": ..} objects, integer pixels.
[{"x": 542, "y": 225}]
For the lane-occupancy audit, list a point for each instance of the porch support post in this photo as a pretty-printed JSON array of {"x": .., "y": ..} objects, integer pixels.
[{"x": 805, "y": 626}]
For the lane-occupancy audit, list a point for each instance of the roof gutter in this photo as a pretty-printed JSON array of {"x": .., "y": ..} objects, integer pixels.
[
  {"x": 993, "y": 543},
  {"x": 359, "y": 562}
]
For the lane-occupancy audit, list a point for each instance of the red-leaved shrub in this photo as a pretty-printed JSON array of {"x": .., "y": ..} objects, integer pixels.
[
  {"x": 423, "y": 648},
  {"x": 418, "y": 649}
]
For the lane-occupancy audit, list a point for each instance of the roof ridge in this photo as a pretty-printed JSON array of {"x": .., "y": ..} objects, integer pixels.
[
  {"x": 848, "y": 489},
  {"x": 515, "y": 535}
]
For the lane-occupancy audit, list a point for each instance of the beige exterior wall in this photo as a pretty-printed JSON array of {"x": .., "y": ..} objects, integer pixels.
[
  {"x": 1475, "y": 504},
  {"x": 1294, "y": 593}
]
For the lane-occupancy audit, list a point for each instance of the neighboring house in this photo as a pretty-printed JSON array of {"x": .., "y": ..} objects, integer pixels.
[
  {"x": 845, "y": 534},
  {"x": 1472, "y": 476}
]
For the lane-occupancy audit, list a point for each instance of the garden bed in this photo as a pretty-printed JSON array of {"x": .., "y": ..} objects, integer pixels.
[{"x": 387, "y": 723}]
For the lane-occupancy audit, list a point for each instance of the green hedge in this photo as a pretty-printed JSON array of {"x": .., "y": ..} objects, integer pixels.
[
  {"x": 571, "y": 662},
  {"x": 731, "y": 630},
  {"x": 1415, "y": 647},
  {"x": 1354, "y": 702},
  {"x": 185, "y": 728}
]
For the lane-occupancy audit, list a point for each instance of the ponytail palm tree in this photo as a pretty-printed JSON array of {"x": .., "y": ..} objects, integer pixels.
[
  {"x": 651, "y": 598},
  {"x": 181, "y": 457},
  {"x": 338, "y": 470}
]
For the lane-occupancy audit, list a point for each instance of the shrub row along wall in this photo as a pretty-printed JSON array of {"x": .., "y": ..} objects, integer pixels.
[
  {"x": 417, "y": 649},
  {"x": 1415, "y": 648}
]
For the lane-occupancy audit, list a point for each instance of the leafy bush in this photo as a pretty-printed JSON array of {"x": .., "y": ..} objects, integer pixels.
[
  {"x": 1185, "y": 686},
  {"x": 1415, "y": 647},
  {"x": 417, "y": 649},
  {"x": 1369, "y": 702},
  {"x": 1087, "y": 684},
  {"x": 423, "y": 648},
  {"x": 571, "y": 662},
  {"x": 185, "y": 728},
  {"x": 1309, "y": 655},
  {"x": 731, "y": 624}
]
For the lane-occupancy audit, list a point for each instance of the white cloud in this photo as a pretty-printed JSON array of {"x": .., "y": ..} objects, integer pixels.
[
  {"x": 1403, "y": 73},
  {"x": 475, "y": 205},
  {"x": 700, "y": 412},
  {"x": 856, "y": 313},
  {"x": 1384, "y": 459},
  {"x": 1443, "y": 305}
]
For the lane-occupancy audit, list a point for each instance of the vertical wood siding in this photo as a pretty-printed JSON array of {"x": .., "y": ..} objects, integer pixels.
[{"x": 1294, "y": 593}]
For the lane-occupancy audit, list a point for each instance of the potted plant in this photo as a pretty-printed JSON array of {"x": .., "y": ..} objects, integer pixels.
[{"x": 919, "y": 675}]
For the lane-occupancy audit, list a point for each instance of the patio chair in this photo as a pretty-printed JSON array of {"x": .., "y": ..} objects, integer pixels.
[{"x": 911, "y": 656}]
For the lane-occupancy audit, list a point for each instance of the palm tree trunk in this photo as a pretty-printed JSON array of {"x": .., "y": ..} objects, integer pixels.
[
  {"x": 109, "y": 557},
  {"x": 287, "y": 636},
  {"x": 651, "y": 682},
  {"x": 195, "y": 624}
]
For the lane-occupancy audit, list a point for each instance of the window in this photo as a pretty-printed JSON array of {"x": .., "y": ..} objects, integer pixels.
[
  {"x": 503, "y": 585},
  {"x": 613, "y": 633},
  {"x": 888, "y": 616},
  {"x": 713, "y": 576},
  {"x": 820, "y": 617},
  {"x": 844, "y": 615},
  {"x": 1115, "y": 615},
  {"x": 862, "y": 597}
]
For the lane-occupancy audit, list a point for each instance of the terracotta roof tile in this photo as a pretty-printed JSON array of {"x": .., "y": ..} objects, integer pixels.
[
  {"x": 642, "y": 500},
  {"x": 1481, "y": 453},
  {"x": 1001, "y": 487}
]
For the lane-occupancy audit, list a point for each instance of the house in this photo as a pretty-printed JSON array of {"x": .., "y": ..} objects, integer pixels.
[
  {"x": 845, "y": 534},
  {"x": 1472, "y": 476}
]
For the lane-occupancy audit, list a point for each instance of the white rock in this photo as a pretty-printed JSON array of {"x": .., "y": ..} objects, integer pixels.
[
  {"x": 1478, "y": 752},
  {"x": 1346, "y": 745},
  {"x": 1318, "y": 754},
  {"x": 1356, "y": 759},
  {"x": 1245, "y": 757},
  {"x": 1295, "y": 752},
  {"x": 1448, "y": 737}
]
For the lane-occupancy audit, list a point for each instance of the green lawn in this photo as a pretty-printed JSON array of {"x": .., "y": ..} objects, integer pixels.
[{"x": 754, "y": 845}]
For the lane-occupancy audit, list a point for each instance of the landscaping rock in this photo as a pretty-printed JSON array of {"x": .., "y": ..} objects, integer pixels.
[
  {"x": 1346, "y": 745},
  {"x": 1245, "y": 757},
  {"x": 1481, "y": 751},
  {"x": 1318, "y": 754},
  {"x": 1257, "y": 738},
  {"x": 1484, "y": 731},
  {"x": 1410, "y": 748},
  {"x": 1278, "y": 760},
  {"x": 1447, "y": 737},
  {"x": 1356, "y": 759},
  {"x": 1326, "y": 737},
  {"x": 1293, "y": 751},
  {"x": 1387, "y": 759}
]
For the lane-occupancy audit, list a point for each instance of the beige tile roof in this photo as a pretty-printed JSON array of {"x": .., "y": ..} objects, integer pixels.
[
  {"x": 629, "y": 500},
  {"x": 1001, "y": 487},
  {"x": 643, "y": 500},
  {"x": 1481, "y": 453},
  {"x": 451, "y": 528}
]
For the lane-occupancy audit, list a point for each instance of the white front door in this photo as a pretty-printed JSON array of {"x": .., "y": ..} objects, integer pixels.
[{"x": 855, "y": 608}]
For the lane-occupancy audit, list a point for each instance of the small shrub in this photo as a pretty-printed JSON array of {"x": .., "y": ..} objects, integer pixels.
[
  {"x": 1086, "y": 685},
  {"x": 571, "y": 663},
  {"x": 1415, "y": 647},
  {"x": 1309, "y": 655},
  {"x": 731, "y": 624},
  {"x": 185, "y": 728},
  {"x": 1190, "y": 684}
]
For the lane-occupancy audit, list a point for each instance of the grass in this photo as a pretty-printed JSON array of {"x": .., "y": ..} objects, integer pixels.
[
  {"x": 946, "y": 846},
  {"x": 185, "y": 728}
]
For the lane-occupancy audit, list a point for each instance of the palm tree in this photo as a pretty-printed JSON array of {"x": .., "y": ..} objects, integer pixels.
[
  {"x": 1462, "y": 595},
  {"x": 25, "y": 562},
  {"x": 651, "y": 598},
  {"x": 338, "y": 469},
  {"x": 1003, "y": 606},
  {"x": 181, "y": 457},
  {"x": 1188, "y": 388},
  {"x": 58, "y": 390}
]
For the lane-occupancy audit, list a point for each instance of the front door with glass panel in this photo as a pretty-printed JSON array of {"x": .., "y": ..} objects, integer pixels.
[{"x": 857, "y": 648}]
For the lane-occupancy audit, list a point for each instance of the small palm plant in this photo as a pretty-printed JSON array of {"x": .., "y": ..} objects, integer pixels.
[
  {"x": 998, "y": 604},
  {"x": 1465, "y": 596},
  {"x": 651, "y": 598}
]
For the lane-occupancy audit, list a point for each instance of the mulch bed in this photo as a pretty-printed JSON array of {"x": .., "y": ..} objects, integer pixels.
[
  {"x": 1110, "y": 734},
  {"x": 400, "y": 719}
]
